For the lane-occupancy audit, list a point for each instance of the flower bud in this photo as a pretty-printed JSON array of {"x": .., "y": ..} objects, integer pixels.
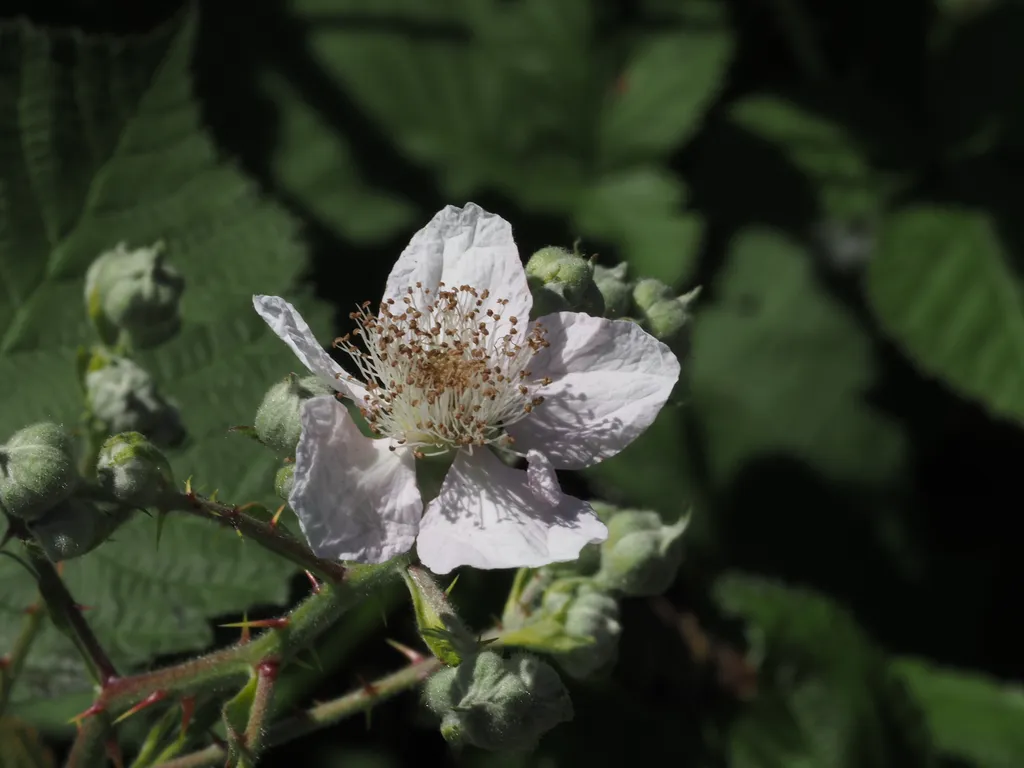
[
  {"x": 133, "y": 470},
  {"x": 134, "y": 292},
  {"x": 587, "y": 613},
  {"x": 278, "y": 424},
  {"x": 284, "y": 480},
  {"x": 560, "y": 280},
  {"x": 498, "y": 704},
  {"x": 615, "y": 289},
  {"x": 648, "y": 292},
  {"x": 37, "y": 470},
  {"x": 74, "y": 527},
  {"x": 667, "y": 318},
  {"x": 641, "y": 555},
  {"x": 125, "y": 398}
]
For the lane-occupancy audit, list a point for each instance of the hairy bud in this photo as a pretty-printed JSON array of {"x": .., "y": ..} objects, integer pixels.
[{"x": 37, "y": 470}]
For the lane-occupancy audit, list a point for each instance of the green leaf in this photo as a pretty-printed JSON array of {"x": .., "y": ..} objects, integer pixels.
[
  {"x": 824, "y": 693},
  {"x": 105, "y": 143},
  {"x": 439, "y": 626},
  {"x": 779, "y": 367},
  {"x": 825, "y": 150},
  {"x": 941, "y": 284},
  {"x": 971, "y": 717},
  {"x": 668, "y": 84},
  {"x": 546, "y": 635},
  {"x": 642, "y": 209}
]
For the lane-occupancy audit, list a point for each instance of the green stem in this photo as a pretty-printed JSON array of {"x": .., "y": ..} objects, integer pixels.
[
  {"x": 266, "y": 534},
  {"x": 66, "y": 616},
  {"x": 322, "y": 715},
  {"x": 88, "y": 751},
  {"x": 15, "y": 660},
  {"x": 259, "y": 714}
]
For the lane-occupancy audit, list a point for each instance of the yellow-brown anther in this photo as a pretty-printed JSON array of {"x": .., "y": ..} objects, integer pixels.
[{"x": 461, "y": 358}]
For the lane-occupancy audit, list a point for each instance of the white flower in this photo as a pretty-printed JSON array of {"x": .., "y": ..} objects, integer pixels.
[{"x": 451, "y": 361}]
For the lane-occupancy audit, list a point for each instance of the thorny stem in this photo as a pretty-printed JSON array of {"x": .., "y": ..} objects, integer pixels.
[
  {"x": 13, "y": 662},
  {"x": 256, "y": 729},
  {"x": 268, "y": 535},
  {"x": 322, "y": 715},
  {"x": 232, "y": 665},
  {"x": 65, "y": 615},
  {"x": 88, "y": 751}
]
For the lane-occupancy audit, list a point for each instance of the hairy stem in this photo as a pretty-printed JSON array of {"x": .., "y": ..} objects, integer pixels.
[
  {"x": 67, "y": 617},
  {"x": 267, "y": 535},
  {"x": 15, "y": 660},
  {"x": 256, "y": 729},
  {"x": 322, "y": 715},
  {"x": 88, "y": 751}
]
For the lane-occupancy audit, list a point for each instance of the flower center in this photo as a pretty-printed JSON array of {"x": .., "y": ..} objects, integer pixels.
[{"x": 444, "y": 369}]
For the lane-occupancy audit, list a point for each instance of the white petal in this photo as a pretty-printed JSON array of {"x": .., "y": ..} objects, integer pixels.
[
  {"x": 610, "y": 378},
  {"x": 486, "y": 516},
  {"x": 286, "y": 322},
  {"x": 355, "y": 498},
  {"x": 465, "y": 246},
  {"x": 542, "y": 479}
]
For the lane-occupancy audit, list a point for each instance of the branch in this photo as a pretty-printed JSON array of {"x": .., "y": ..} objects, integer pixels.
[
  {"x": 10, "y": 665},
  {"x": 66, "y": 615},
  {"x": 267, "y": 535},
  {"x": 322, "y": 715}
]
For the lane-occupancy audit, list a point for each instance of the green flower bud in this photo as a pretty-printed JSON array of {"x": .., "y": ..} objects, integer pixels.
[
  {"x": 74, "y": 528},
  {"x": 616, "y": 290},
  {"x": 590, "y": 613},
  {"x": 496, "y": 703},
  {"x": 125, "y": 398},
  {"x": 284, "y": 480},
  {"x": 666, "y": 318},
  {"x": 641, "y": 555},
  {"x": 278, "y": 424},
  {"x": 561, "y": 280},
  {"x": 648, "y": 292},
  {"x": 133, "y": 470},
  {"x": 37, "y": 470},
  {"x": 134, "y": 292}
]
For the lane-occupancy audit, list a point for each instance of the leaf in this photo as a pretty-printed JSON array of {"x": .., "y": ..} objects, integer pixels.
[
  {"x": 667, "y": 86},
  {"x": 546, "y": 635},
  {"x": 103, "y": 142},
  {"x": 823, "y": 150},
  {"x": 971, "y": 717},
  {"x": 825, "y": 697},
  {"x": 21, "y": 746},
  {"x": 941, "y": 284},
  {"x": 779, "y": 367},
  {"x": 642, "y": 209}
]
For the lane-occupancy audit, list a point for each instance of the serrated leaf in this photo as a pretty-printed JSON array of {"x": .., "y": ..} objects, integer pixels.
[
  {"x": 102, "y": 141},
  {"x": 824, "y": 697},
  {"x": 971, "y": 717},
  {"x": 21, "y": 746},
  {"x": 942, "y": 286},
  {"x": 779, "y": 366},
  {"x": 667, "y": 86}
]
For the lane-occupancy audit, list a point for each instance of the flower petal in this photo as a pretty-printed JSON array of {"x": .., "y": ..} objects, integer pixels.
[
  {"x": 355, "y": 498},
  {"x": 286, "y": 322},
  {"x": 487, "y": 516},
  {"x": 541, "y": 477},
  {"x": 464, "y": 246},
  {"x": 610, "y": 378}
]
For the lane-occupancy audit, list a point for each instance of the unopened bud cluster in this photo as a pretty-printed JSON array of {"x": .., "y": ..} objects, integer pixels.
[
  {"x": 571, "y": 610},
  {"x": 68, "y": 516}
]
